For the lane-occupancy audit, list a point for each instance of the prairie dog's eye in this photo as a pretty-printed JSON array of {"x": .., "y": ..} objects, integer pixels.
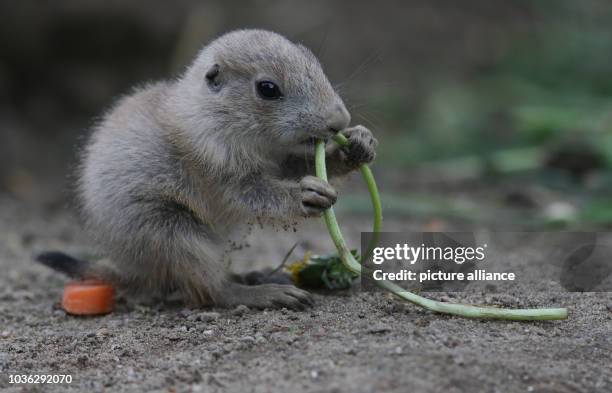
[
  {"x": 268, "y": 90},
  {"x": 212, "y": 78}
]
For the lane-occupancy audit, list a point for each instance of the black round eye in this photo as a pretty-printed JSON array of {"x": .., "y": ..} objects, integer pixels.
[{"x": 268, "y": 90}]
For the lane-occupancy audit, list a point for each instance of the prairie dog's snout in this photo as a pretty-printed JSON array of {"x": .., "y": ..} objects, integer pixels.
[
  {"x": 338, "y": 118},
  {"x": 334, "y": 118}
]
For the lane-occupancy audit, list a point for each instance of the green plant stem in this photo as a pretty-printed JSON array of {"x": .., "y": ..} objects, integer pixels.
[{"x": 447, "y": 308}]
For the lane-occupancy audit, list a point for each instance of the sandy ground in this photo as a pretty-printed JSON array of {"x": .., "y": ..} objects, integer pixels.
[{"x": 349, "y": 342}]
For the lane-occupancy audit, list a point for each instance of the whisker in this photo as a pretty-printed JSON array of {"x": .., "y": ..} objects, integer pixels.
[
  {"x": 376, "y": 123},
  {"x": 370, "y": 60},
  {"x": 377, "y": 115},
  {"x": 321, "y": 47},
  {"x": 367, "y": 121}
]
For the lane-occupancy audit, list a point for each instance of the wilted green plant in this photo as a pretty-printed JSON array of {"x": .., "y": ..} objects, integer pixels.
[{"x": 353, "y": 265}]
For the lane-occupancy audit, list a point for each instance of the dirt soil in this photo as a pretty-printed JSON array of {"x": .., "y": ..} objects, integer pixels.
[{"x": 349, "y": 342}]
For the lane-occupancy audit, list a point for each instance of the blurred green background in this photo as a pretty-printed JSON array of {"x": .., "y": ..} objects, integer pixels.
[{"x": 493, "y": 113}]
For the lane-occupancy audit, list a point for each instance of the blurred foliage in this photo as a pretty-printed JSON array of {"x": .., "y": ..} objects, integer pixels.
[
  {"x": 553, "y": 86},
  {"x": 541, "y": 112}
]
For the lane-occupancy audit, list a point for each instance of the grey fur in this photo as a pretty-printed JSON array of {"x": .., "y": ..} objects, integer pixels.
[{"x": 174, "y": 167}]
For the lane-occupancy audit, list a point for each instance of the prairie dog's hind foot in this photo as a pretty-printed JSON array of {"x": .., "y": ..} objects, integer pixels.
[
  {"x": 267, "y": 296},
  {"x": 266, "y": 276}
]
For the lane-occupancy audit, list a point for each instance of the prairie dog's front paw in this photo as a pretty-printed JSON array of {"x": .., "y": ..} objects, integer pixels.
[
  {"x": 361, "y": 148},
  {"x": 316, "y": 196}
]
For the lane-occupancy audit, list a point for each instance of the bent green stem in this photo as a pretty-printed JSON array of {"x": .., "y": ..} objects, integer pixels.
[{"x": 351, "y": 263}]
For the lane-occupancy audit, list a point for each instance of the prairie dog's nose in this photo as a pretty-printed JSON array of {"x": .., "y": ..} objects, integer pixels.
[{"x": 338, "y": 118}]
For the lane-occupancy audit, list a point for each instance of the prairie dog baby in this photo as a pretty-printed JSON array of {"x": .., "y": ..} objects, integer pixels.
[{"x": 174, "y": 167}]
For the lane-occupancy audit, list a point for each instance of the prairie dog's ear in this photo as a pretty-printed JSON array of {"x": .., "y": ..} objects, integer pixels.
[{"x": 213, "y": 79}]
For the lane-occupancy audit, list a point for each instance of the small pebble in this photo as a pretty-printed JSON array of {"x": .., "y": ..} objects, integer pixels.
[
  {"x": 378, "y": 329},
  {"x": 248, "y": 339},
  {"x": 351, "y": 351},
  {"x": 102, "y": 332},
  {"x": 240, "y": 310},
  {"x": 208, "y": 316},
  {"x": 260, "y": 339}
]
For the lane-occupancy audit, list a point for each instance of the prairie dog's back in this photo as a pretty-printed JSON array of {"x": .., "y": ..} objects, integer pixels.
[{"x": 125, "y": 152}]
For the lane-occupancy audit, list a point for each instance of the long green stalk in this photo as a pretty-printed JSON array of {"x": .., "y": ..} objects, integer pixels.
[{"x": 448, "y": 308}]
